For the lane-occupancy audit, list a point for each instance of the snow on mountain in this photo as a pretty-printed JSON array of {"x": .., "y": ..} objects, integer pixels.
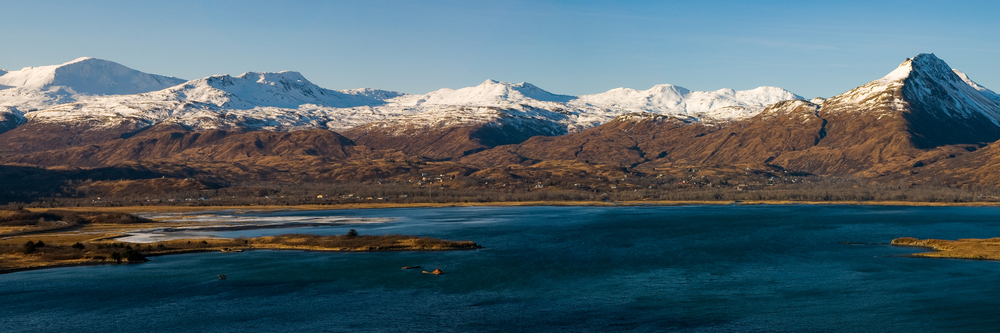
[
  {"x": 280, "y": 90},
  {"x": 722, "y": 104},
  {"x": 287, "y": 101},
  {"x": 34, "y": 88},
  {"x": 923, "y": 80},
  {"x": 279, "y": 101},
  {"x": 10, "y": 118},
  {"x": 489, "y": 93},
  {"x": 106, "y": 93},
  {"x": 982, "y": 90},
  {"x": 88, "y": 76}
]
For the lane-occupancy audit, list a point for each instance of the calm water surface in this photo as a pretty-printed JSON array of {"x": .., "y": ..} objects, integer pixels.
[{"x": 685, "y": 269}]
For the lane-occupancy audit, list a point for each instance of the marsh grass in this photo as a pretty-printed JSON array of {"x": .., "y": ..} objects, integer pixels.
[
  {"x": 96, "y": 252},
  {"x": 969, "y": 248}
]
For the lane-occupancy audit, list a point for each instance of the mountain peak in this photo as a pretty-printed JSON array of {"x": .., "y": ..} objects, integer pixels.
[
  {"x": 287, "y": 89},
  {"x": 81, "y": 59},
  {"x": 492, "y": 92},
  {"x": 926, "y": 63},
  {"x": 87, "y": 76},
  {"x": 271, "y": 77}
]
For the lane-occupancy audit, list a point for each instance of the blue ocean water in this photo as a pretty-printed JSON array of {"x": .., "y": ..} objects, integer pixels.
[{"x": 586, "y": 269}]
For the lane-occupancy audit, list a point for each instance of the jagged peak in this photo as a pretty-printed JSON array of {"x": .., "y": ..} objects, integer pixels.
[
  {"x": 286, "y": 79},
  {"x": 926, "y": 63}
]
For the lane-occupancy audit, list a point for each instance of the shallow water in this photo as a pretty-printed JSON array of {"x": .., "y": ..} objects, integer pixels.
[{"x": 688, "y": 269}]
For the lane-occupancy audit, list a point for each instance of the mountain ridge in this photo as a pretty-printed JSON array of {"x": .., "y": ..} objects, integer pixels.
[
  {"x": 920, "y": 116},
  {"x": 288, "y": 101}
]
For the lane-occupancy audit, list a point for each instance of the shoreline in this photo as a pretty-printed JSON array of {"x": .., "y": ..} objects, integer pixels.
[
  {"x": 189, "y": 251},
  {"x": 189, "y": 209},
  {"x": 287, "y": 242}
]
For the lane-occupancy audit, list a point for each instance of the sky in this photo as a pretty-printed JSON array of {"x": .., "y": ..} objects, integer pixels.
[{"x": 814, "y": 49}]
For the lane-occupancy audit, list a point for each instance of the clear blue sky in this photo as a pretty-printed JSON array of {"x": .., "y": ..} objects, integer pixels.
[{"x": 566, "y": 47}]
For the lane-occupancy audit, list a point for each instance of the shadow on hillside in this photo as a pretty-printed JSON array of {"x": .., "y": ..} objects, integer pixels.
[{"x": 27, "y": 184}]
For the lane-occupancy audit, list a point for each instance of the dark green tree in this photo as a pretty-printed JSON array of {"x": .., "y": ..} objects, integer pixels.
[
  {"x": 29, "y": 247},
  {"x": 78, "y": 246},
  {"x": 353, "y": 233},
  {"x": 131, "y": 255}
]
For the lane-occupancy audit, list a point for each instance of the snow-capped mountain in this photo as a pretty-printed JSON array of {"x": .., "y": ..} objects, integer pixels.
[
  {"x": 921, "y": 113},
  {"x": 670, "y": 99},
  {"x": 923, "y": 79},
  {"x": 275, "y": 101},
  {"x": 36, "y": 88},
  {"x": 939, "y": 105},
  {"x": 917, "y": 118},
  {"x": 40, "y": 87},
  {"x": 279, "y": 90},
  {"x": 287, "y": 101},
  {"x": 489, "y": 93}
]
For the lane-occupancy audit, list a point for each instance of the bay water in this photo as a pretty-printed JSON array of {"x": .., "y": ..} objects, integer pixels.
[{"x": 795, "y": 268}]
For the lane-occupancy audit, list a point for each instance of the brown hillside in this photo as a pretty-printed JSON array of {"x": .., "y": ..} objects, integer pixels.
[{"x": 447, "y": 141}]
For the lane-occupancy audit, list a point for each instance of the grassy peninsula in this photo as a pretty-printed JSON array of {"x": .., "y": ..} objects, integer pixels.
[
  {"x": 969, "y": 248},
  {"x": 57, "y": 238}
]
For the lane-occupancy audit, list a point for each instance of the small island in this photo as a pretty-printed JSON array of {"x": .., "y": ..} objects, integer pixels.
[
  {"x": 970, "y": 248},
  {"x": 58, "y": 238}
]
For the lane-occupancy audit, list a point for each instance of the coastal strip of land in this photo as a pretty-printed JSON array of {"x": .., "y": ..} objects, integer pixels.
[
  {"x": 51, "y": 254},
  {"x": 60, "y": 238},
  {"x": 969, "y": 248}
]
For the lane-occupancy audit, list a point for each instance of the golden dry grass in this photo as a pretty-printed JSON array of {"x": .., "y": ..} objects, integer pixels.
[
  {"x": 99, "y": 243},
  {"x": 969, "y": 248}
]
